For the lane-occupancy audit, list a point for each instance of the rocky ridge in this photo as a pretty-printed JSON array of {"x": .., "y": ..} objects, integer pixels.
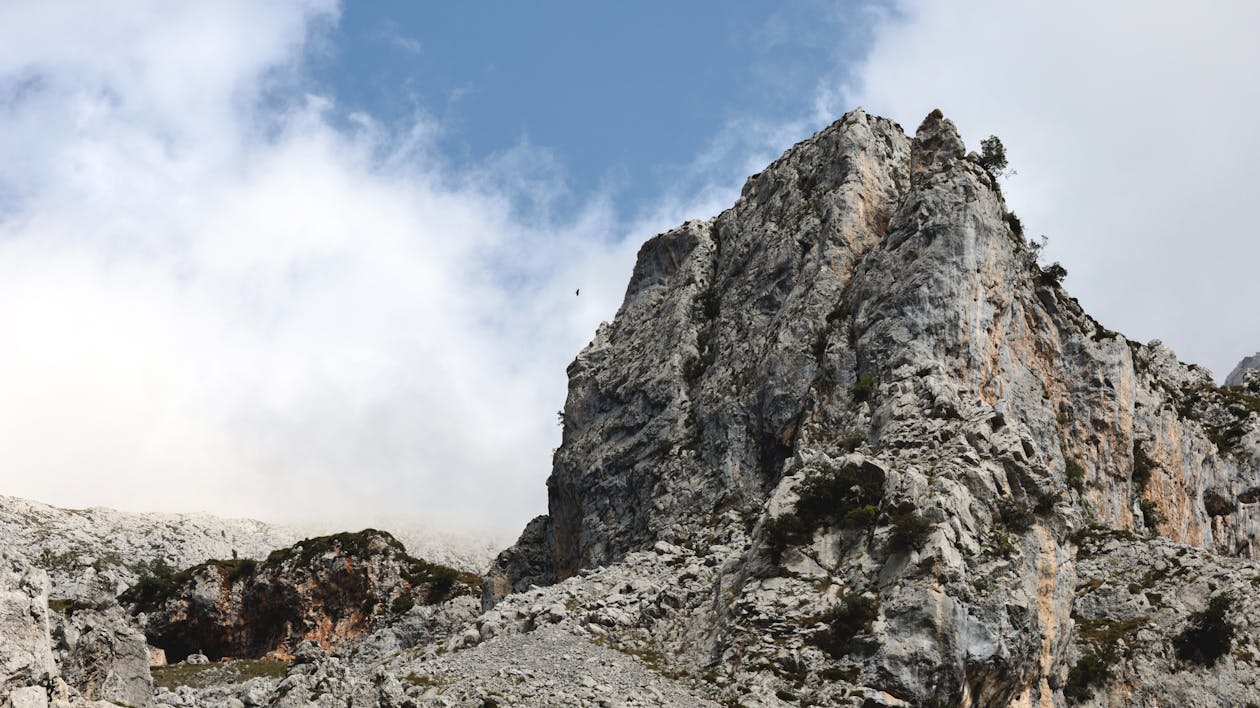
[
  {"x": 65, "y": 542},
  {"x": 1237, "y": 377}
]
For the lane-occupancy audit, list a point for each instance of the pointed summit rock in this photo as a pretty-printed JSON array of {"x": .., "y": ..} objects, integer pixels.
[{"x": 1248, "y": 364}]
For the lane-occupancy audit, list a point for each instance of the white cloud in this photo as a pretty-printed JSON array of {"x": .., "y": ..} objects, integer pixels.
[
  {"x": 215, "y": 296},
  {"x": 1129, "y": 124},
  {"x": 212, "y": 298}
]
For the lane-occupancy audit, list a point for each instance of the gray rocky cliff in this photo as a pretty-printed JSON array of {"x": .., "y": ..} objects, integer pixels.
[
  {"x": 1238, "y": 375},
  {"x": 868, "y": 313}
]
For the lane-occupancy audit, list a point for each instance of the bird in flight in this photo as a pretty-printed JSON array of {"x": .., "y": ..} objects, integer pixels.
[{"x": 578, "y": 291}]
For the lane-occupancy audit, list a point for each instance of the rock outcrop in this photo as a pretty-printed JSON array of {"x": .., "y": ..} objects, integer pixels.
[
  {"x": 864, "y": 362},
  {"x": 26, "y": 657},
  {"x": 100, "y": 650},
  {"x": 329, "y": 590},
  {"x": 67, "y": 653},
  {"x": 1248, "y": 364},
  {"x": 67, "y": 542}
]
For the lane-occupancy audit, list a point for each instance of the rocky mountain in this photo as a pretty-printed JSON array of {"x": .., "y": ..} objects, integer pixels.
[
  {"x": 847, "y": 443},
  {"x": 65, "y": 542},
  {"x": 1247, "y": 365},
  {"x": 863, "y": 361}
]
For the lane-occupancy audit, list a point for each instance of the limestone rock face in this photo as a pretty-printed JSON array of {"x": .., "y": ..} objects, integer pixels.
[
  {"x": 26, "y": 657},
  {"x": 67, "y": 543},
  {"x": 100, "y": 650},
  {"x": 1249, "y": 363},
  {"x": 329, "y": 590},
  {"x": 862, "y": 361}
]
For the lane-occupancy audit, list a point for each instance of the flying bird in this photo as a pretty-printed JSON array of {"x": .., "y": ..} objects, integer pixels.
[{"x": 578, "y": 291}]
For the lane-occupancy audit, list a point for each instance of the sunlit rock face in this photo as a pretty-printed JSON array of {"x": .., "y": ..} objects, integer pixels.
[{"x": 870, "y": 307}]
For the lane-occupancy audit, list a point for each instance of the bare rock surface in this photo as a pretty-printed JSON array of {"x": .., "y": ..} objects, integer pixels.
[
  {"x": 1248, "y": 364},
  {"x": 100, "y": 650},
  {"x": 65, "y": 542},
  {"x": 329, "y": 590}
]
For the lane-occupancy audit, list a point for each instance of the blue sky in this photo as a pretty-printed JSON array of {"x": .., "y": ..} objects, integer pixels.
[
  {"x": 625, "y": 95},
  {"x": 307, "y": 259}
]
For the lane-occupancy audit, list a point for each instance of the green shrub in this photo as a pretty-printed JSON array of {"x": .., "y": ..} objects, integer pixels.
[
  {"x": 1015, "y": 225},
  {"x": 1046, "y": 502},
  {"x": 847, "y": 496},
  {"x": 852, "y": 615},
  {"x": 1074, "y": 474},
  {"x": 862, "y": 517},
  {"x": 1209, "y": 635},
  {"x": 909, "y": 531},
  {"x": 993, "y": 156},
  {"x": 785, "y": 531},
  {"x": 402, "y": 604},
  {"x": 1053, "y": 274},
  {"x": 852, "y": 440},
  {"x": 1091, "y": 670},
  {"x": 1142, "y": 468},
  {"x": 1014, "y": 516},
  {"x": 825, "y": 496},
  {"x": 1150, "y": 514},
  {"x": 865, "y": 387},
  {"x": 441, "y": 582}
]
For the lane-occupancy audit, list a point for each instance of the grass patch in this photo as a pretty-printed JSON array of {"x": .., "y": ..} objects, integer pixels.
[
  {"x": 424, "y": 680},
  {"x": 217, "y": 673}
]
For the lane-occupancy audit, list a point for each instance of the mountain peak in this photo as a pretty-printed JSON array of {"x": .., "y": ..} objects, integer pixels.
[{"x": 857, "y": 378}]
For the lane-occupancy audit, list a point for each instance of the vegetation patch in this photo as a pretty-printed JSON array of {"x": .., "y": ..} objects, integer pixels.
[
  {"x": 424, "y": 680},
  {"x": 852, "y": 440},
  {"x": 1053, "y": 274},
  {"x": 1143, "y": 465},
  {"x": 1101, "y": 638},
  {"x": 1209, "y": 634},
  {"x": 835, "y": 673},
  {"x": 1150, "y": 514},
  {"x": 848, "y": 618},
  {"x": 864, "y": 389},
  {"x": 1074, "y": 474},
  {"x": 1014, "y": 515},
  {"x": 216, "y": 674},
  {"x": 1091, "y": 671},
  {"x": 845, "y": 496},
  {"x": 909, "y": 531}
]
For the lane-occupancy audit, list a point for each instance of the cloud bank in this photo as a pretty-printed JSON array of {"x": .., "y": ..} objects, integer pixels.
[{"x": 217, "y": 292}]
